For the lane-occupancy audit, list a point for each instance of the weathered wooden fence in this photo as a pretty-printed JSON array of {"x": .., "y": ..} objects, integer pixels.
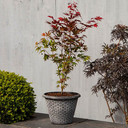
[{"x": 21, "y": 25}]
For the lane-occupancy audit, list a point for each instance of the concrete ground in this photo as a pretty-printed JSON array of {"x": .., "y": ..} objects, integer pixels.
[{"x": 42, "y": 121}]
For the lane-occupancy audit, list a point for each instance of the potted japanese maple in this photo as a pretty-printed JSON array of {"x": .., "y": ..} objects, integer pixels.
[
  {"x": 113, "y": 69},
  {"x": 64, "y": 45}
]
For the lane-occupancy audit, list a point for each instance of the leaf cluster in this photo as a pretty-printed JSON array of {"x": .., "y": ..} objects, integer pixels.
[{"x": 17, "y": 98}]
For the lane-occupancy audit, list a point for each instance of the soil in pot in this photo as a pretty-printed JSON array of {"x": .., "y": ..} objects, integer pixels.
[{"x": 59, "y": 94}]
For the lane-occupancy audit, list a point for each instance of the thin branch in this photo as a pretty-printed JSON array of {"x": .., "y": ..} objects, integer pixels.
[
  {"x": 108, "y": 107},
  {"x": 119, "y": 106}
]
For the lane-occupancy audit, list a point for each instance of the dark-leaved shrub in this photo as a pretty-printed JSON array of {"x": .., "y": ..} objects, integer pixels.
[
  {"x": 17, "y": 98},
  {"x": 113, "y": 70}
]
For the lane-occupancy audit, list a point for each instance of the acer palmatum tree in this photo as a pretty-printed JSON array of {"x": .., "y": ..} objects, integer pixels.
[
  {"x": 64, "y": 43},
  {"x": 113, "y": 69}
]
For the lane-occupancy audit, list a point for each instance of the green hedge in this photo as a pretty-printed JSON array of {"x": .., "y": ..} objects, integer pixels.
[{"x": 17, "y": 98}]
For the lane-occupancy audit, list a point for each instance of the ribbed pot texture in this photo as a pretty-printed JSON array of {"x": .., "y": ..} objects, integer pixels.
[{"x": 61, "y": 108}]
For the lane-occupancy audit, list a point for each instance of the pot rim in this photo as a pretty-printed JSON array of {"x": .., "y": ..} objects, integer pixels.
[{"x": 77, "y": 95}]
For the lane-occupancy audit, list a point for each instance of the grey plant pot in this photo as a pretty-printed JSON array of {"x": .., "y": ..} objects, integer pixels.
[{"x": 61, "y": 109}]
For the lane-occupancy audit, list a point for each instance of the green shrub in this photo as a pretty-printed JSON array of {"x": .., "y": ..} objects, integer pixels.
[{"x": 17, "y": 98}]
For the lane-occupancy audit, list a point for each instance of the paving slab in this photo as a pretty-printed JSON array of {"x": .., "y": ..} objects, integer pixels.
[{"x": 42, "y": 121}]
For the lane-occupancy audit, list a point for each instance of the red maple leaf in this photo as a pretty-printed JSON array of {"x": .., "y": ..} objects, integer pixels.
[
  {"x": 50, "y": 17},
  {"x": 60, "y": 18},
  {"x": 54, "y": 22},
  {"x": 43, "y": 34},
  {"x": 53, "y": 26},
  {"x": 95, "y": 25},
  {"x": 77, "y": 13},
  {"x": 99, "y": 18},
  {"x": 69, "y": 6}
]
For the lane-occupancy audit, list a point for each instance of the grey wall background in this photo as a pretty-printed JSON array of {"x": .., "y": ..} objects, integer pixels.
[{"x": 21, "y": 25}]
